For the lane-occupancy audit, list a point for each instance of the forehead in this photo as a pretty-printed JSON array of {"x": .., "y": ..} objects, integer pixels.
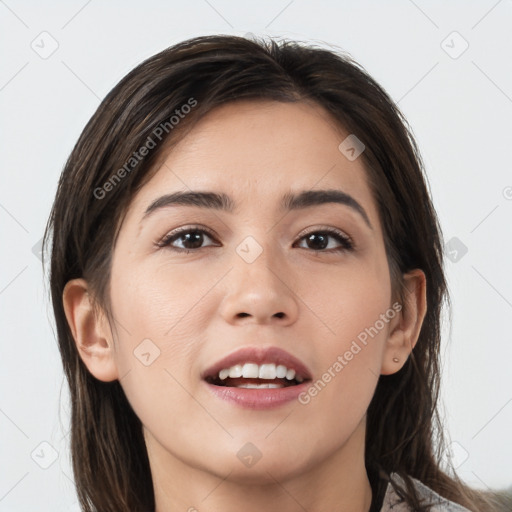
[
  {"x": 262, "y": 137},
  {"x": 258, "y": 151}
]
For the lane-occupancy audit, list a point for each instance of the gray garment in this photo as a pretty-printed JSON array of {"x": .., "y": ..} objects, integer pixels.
[{"x": 392, "y": 502}]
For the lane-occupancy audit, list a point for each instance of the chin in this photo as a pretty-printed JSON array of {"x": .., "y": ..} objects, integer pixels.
[
  {"x": 261, "y": 461},
  {"x": 266, "y": 471}
]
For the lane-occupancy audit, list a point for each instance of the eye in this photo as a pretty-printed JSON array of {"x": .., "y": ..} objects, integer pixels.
[
  {"x": 320, "y": 240},
  {"x": 191, "y": 239}
]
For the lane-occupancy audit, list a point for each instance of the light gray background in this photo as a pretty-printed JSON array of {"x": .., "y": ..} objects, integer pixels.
[{"x": 458, "y": 103}]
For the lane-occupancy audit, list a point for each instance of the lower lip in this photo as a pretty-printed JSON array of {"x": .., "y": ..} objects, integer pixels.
[{"x": 264, "y": 398}]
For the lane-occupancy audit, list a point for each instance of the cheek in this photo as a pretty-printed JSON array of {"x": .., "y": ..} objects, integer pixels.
[
  {"x": 353, "y": 306},
  {"x": 349, "y": 298},
  {"x": 160, "y": 325},
  {"x": 159, "y": 303}
]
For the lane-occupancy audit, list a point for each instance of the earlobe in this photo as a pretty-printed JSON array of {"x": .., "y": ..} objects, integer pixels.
[
  {"x": 404, "y": 335},
  {"x": 90, "y": 331}
]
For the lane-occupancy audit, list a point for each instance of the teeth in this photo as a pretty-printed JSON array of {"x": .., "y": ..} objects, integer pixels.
[
  {"x": 264, "y": 371},
  {"x": 260, "y": 386},
  {"x": 235, "y": 371},
  {"x": 267, "y": 371},
  {"x": 281, "y": 371},
  {"x": 290, "y": 374},
  {"x": 250, "y": 371}
]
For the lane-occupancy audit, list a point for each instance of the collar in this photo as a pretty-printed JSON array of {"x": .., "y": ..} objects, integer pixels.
[{"x": 393, "y": 503}]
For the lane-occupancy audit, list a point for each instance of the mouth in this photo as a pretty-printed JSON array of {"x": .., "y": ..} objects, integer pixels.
[
  {"x": 270, "y": 368},
  {"x": 254, "y": 376}
]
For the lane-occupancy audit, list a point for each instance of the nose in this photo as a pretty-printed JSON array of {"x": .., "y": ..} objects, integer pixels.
[{"x": 260, "y": 292}]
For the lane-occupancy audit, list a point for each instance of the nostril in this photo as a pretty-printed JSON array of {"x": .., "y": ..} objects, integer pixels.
[{"x": 243, "y": 315}]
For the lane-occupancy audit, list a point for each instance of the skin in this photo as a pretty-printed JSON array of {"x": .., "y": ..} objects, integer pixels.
[{"x": 189, "y": 306}]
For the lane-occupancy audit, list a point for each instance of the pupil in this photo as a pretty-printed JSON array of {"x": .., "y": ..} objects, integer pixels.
[
  {"x": 190, "y": 236},
  {"x": 323, "y": 237}
]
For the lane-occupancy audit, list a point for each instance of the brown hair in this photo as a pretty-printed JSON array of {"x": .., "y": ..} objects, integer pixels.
[{"x": 404, "y": 432}]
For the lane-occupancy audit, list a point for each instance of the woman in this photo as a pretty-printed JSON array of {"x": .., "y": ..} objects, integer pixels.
[{"x": 247, "y": 280}]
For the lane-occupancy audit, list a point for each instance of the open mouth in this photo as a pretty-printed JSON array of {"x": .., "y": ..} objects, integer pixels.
[{"x": 255, "y": 376}]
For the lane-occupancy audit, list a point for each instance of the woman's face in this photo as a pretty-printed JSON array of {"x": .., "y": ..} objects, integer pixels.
[{"x": 261, "y": 276}]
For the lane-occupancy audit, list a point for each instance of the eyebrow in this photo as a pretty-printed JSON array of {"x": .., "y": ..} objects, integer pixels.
[{"x": 289, "y": 202}]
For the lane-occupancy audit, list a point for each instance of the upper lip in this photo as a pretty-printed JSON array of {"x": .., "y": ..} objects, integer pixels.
[{"x": 259, "y": 355}]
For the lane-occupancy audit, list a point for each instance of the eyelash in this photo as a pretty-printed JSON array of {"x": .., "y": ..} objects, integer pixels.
[{"x": 346, "y": 242}]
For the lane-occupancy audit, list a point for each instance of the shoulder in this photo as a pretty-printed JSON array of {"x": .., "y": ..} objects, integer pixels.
[{"x": 393, "y": 503}]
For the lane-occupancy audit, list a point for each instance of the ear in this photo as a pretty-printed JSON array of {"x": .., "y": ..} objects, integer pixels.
[
  {"x": 91, "y": 331},
  {"x": 406, "y": 326}
]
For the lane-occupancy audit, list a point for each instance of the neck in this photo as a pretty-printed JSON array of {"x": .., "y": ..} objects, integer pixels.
[{"x": 337, "y": 483}]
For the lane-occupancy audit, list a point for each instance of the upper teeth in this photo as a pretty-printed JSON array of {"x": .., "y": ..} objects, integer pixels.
[{"x": 262, "y": 371}]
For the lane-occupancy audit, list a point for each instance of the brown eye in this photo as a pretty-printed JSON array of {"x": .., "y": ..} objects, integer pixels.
[
  {"x": 190, "y": 239},
  {"x": 319, "y": 241}
]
